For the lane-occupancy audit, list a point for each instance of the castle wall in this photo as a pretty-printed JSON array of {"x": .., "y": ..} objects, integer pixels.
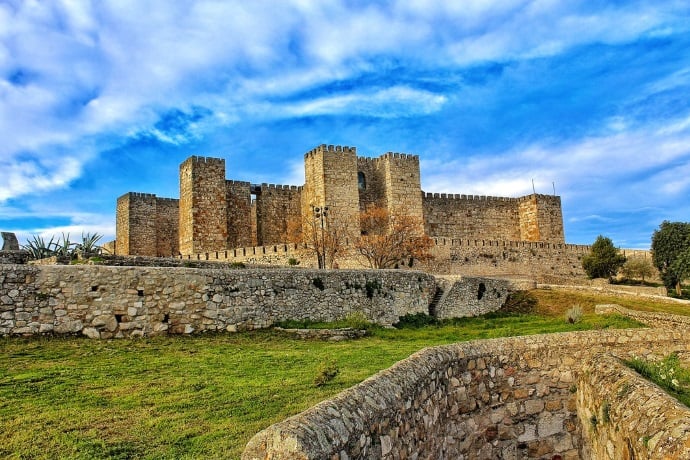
[
  {"x": 373, "y": 191},
  {"x": 542, "y": 261},
  {"x": 167, "y": 227},
  {"x": 471, "y": 217},
  {"x": 239, "y": 214},
  {"x": 277, "y": 206},
  {"x": 203, "y": 208}
]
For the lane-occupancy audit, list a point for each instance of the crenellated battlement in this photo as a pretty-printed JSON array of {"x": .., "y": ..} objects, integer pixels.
[
  {"x": 451, "y": 196},
  {"x": 399, "y": 156},
  {"x": 323, "y": 148},
  {"x": 205, "y": 160},
  {"x": 138, "y": 195},
  {"x": 278, "y": 187},
  {"x": 240, "y": 183}
]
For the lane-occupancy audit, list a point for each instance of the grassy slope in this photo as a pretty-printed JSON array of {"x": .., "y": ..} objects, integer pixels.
[{"x": 204, "y": 397}]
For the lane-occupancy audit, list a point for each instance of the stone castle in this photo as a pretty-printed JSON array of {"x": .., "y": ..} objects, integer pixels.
[{"x": 216, "y": 214}]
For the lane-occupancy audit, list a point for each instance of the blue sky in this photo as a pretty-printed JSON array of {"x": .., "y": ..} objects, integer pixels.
[{"x": 105, "y": 97}]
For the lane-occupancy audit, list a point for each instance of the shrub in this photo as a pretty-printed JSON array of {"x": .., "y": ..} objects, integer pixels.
[
  {"x": 603, "y": 260},
  {"x": 237, "y": 265},
  {"x": 415, "y": 321},
  {"x": 574, "y": 314},
  {"x": 292, "y": 261},
  {"x": 327, "y": 371}
]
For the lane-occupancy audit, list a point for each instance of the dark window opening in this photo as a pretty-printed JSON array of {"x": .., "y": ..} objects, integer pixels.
[
  {"x": 94, "y": 288},
  {"x": 361, "y": 181},
  {"x": 140, "y": 292},
  {"x": 166, "y": 318},
  {"x": 481, "y": 291}
]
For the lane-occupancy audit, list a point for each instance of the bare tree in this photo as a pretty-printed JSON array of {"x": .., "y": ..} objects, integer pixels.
[
  {"x": 322, "y": 233},
  {"x": 389, "y": 240}
]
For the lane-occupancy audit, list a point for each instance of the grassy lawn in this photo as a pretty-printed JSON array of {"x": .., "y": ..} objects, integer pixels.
[{"x": 205, "y": 396}]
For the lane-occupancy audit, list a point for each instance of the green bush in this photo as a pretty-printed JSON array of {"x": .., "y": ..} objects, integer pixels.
[
  {"x": 292, "y": 261},
  {"x": 357, "y": 320},
  {"x": 416, "y": 321},
  {"x": 603, "y": 260}
]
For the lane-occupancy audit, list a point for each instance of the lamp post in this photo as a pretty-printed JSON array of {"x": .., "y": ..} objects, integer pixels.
[{"x": 320, "y": 215}]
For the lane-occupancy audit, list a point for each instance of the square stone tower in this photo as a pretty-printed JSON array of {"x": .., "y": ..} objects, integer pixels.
[
  {"x": 203, "y": 205},
  {"x": 330, "y": 174}
]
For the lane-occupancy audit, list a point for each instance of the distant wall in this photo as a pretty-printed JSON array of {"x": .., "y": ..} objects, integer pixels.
[
  {"x": 277, "y": 206},
  {"x": 504, "y": 398},
  {"x": 239, "y": 214},
  {"x": 103, "y": 301},
  {"x": 529, "y": 218},
  {"x": 464, "y": 216}
]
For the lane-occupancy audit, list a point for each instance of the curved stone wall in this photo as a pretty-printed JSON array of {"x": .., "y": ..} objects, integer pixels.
[{"x": 503, "y": 398}]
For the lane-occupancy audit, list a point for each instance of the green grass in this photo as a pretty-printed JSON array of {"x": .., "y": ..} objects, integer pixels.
[
  {"x": 203, "y": 396},
  {"x": 668, "y": 373}
]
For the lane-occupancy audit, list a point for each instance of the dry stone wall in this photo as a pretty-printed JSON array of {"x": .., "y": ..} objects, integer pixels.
[
  {"x": 104, "y": 302},
  {"x": 473, "y": 296},
  {"x": 505, "y": 398}
]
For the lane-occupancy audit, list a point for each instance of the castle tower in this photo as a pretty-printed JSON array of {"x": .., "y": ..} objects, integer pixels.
[
  {"x": 541, "y": 218},
  {"x": 331, "y": 180},
  {"x": 135, "y": 227},
  {"x": 203, "y": 205},
  {"x": 402, "y": 186}
]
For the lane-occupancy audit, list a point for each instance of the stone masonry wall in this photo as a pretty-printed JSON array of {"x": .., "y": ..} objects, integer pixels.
[
  {"x": 331, "y": 180},
  {"x": 627, "y": 417},
  {"x": 372, "y": 193},
  {"x": 545, "y": 262},
  {"x": 239, "y": 214},
  {"x": 276, "y": 206},
  {"x": 541, "y": 218},
  {"x": 147, "y": 225},
  {"x": 136, "y": 224},
  {"x": 473, "y": 296},
  {"x": 203, "y": 208},
  {"x": 167, "y": 227},
  {"x": 104, "y": 302},
  {"x": 472, "y": 217},
  {"x": 505, "y": 398},
  {"x": 402, "y": 186}
]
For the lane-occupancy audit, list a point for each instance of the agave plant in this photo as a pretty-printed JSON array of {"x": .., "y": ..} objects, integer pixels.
[
  {"x": 38, "y": 248},
  {"x": 64, "y": 247},
  {"x": 89, "y": 244}
]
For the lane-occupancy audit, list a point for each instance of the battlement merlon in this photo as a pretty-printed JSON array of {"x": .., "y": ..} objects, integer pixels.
[
  {"x": 135, "y": 195},
  {"x": 323, "y": 148},
  {"x": 271, "y": 187}
]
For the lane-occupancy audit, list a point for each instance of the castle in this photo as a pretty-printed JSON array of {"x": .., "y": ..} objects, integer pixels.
[{"x": 216, "y": 214}]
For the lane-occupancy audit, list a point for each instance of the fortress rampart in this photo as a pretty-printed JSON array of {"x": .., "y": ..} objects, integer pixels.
[{"x": 214, "y": 214}]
